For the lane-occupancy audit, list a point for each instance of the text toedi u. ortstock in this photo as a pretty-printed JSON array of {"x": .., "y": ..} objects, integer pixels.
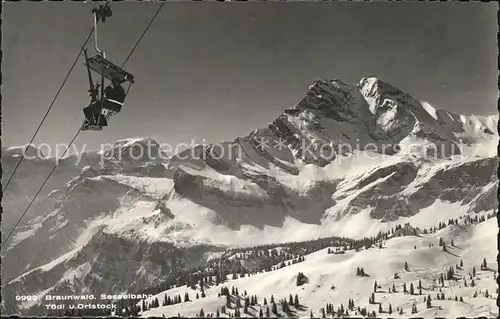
[{"x": 55, "y": 302}]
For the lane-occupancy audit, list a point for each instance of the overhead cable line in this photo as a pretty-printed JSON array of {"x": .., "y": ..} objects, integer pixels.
[
  {"x": 142, "y": 35},
  {"x": 79, "y": 130},
  {"x": 38, "y": 192},
  {"x": 47, "y": 112}
]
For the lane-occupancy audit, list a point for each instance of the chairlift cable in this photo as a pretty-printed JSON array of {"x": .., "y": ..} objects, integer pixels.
[
  {"x": 142, "y": 35},
  {"x": 80, "y": 128},
  {"x": 47, "y": 112},
  {"x": 39, "y": 190}
]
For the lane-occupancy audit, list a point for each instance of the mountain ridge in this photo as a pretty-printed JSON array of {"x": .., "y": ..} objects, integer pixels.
[{"x": 306, "y": 175}]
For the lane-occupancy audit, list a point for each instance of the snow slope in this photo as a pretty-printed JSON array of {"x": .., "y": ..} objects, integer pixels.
[{"x": 472, "y": 244}]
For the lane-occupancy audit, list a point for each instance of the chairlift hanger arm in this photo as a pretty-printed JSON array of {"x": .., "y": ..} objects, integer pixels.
[
  {"x": 100, "y": 14},
  {"x": 99, "y": 63},
  {"x": 93, "y": 90},
  {"x": 95, "y": 34}
]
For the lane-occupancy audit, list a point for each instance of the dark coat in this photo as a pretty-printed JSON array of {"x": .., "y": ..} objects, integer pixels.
[{"x": 116, "y": 93}]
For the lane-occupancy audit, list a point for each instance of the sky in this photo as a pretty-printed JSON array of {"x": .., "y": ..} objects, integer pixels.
[{"x": 215, "y": 71}]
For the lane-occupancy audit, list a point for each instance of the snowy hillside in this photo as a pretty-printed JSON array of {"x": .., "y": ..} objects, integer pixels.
[
  {"x": 333, "y": 279},
  {"x": 346, "y": 161}
]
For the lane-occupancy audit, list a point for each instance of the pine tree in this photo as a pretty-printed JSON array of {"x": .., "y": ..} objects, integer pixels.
[
  {"x": 202, "y": 313},
  {"x": 419, "y": 284},
  {"x": 404, "y": 288},
  {"x": 474, "y": 271},
  {"x": 379, "y": 308},
  {"x": 301, "y": 279},
  {"x": 217, "y": 314},
  {"x": 411, "y": 289},
  {"x": 407, "y": 268},
  {"x": 390, "y": 308},
  {"x": 265, "y": 301},
  {"x": 267, "y": 312},
  {"x": 296, "y": 301},
  {"x": 428, "y": 301},
  {"x": 275, "y": 309},
  {"x": 484, "y": 264},
  {"x": 393, "y": 288},
  {"x": 375, "y": 287}
]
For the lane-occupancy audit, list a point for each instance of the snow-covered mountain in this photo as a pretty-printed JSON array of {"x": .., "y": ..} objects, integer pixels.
[
  {"x": 345, "y": 161},
  {"x": 28, "y": 177}
]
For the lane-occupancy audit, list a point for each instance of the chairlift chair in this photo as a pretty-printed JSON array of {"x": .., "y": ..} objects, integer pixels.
[{"x": 103, "y": 67}]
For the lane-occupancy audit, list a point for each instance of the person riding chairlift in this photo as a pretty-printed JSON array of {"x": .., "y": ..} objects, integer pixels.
[{"x": 113, "y": 101}]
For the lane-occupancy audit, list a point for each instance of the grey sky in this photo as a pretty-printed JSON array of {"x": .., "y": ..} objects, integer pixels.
[{"x": 218, "y": 70}]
